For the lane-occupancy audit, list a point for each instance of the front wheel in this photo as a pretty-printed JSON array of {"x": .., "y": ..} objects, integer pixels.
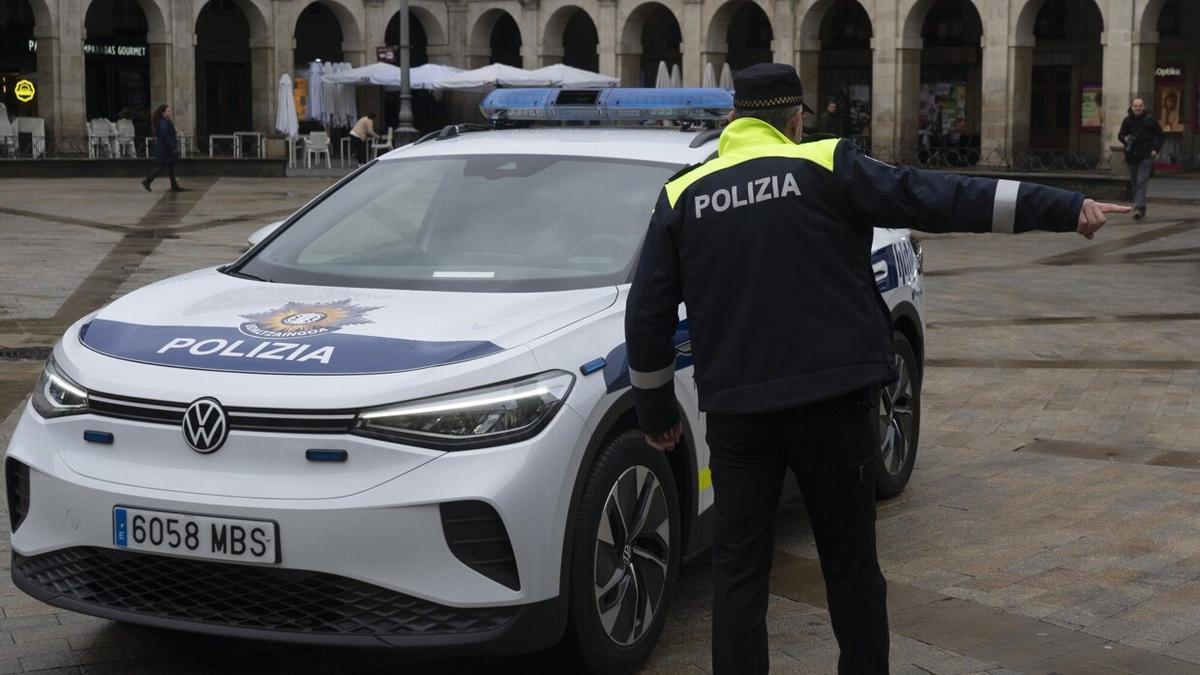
[
  {"x": 899, "y": 422},
  {"x": 624, "y": 558}
]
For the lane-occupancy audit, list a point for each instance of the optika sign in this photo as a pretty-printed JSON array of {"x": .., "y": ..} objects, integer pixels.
[
  {"x": 239, "y": 349},
  {"x": 1168, "y": 72}
]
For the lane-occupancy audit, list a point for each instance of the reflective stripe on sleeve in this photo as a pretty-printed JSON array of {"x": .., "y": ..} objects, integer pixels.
[
  {"x": 652, "y": 380},
  {"x": 1004, "y": 207}
]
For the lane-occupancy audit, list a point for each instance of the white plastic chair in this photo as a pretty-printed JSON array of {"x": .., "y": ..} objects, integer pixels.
[
  {"x": 126, "y": 139},
  {"x": 8, "y": 136},
  {"x": 317, "y": 143},
  {"x": 36, "y": 128},
  {"x": 98, "y": 139},
  {"x": 385, "y": 145}
]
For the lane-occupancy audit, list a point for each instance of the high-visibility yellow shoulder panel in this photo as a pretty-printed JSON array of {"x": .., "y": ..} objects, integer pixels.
[{"x": 818, "y": 152}]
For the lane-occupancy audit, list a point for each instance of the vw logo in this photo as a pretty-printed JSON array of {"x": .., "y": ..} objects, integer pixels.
[{"x": 205, "y": 426}]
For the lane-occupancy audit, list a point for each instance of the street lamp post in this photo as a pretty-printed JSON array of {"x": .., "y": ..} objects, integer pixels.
[{"x": 405, "y": 130}]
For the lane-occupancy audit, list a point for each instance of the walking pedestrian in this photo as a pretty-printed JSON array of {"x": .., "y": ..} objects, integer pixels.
[
  {"x": 364, "y": 129},
  {"x": 166, "y": 146},
  {"x": 769, "y": 247},
  {"x": 1143, "y": 138}
]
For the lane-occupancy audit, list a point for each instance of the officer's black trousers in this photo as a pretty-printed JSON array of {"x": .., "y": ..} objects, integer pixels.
[{"x": 832, "y": 446}]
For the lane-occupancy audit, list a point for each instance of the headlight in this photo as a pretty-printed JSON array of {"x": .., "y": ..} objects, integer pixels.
[
  {"x": 56, "y": 395},
  {"x": 502, "y": 413}
]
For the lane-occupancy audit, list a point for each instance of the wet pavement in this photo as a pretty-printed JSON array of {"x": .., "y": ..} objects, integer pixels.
[{"x": 1052, "y": 523}]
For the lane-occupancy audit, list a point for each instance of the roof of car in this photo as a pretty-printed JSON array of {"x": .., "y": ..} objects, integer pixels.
[{"x": 655, "y": 144}]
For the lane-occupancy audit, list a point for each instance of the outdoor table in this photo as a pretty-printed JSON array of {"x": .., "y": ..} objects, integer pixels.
[{"x": 344, "y": 148}]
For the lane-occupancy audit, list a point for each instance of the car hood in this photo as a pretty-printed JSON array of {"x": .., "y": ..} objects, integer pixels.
[{"x": 207, "y": 320}]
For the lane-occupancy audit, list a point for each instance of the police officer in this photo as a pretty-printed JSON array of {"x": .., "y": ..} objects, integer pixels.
[{"x": 769, "y": 246}]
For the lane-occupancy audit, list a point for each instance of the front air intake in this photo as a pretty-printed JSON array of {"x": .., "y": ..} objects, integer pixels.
[
  {"x": 478, "y": 538},
  {"x": 16, "y": 479}
]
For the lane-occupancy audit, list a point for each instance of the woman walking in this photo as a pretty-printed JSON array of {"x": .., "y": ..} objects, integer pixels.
[{"x": 166, "y": 146}]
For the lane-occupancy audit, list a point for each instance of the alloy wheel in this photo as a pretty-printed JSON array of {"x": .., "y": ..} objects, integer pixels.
[
  {"x": 896, "y": 420},
  {"x": 633, "y": 545}
]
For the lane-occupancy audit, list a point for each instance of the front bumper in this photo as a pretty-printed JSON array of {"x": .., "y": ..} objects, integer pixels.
[
  {"x": 372, "y": 568},
  {"x": 272, "y": 603}
]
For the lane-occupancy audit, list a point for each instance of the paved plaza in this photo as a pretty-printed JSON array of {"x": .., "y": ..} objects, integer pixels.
[{"x": 1052, "y": 524}]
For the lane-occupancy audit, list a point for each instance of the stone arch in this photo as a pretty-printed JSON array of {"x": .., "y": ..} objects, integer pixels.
[
  {"x": 658, "y": 22},
  {"x": 156, "y": 14},
  {"x": 44, "y": 14},
  {"x": 918, "y": 10},
  {"x": 808, "y": 28},
  {"x": 635, "y": 20},
  {"x": 1145, "y": 16},
  {"x": 719, "y": 17},
  {"x": 1026, "y": 17},
  {"x": 431, "y": 15},
  {"x": 556, "y": 44},
  {"x": 480, "y": 46},
  {"x": 117, "y": 85},
  {"x": 254, "y": 10},
  {"x": 346, "y": 16}
]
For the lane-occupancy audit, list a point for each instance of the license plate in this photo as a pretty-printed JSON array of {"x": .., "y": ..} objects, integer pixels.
[{"x": 196, "y": 536}]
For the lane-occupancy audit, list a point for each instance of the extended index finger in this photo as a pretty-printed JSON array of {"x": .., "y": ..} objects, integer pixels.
[{"x": 1113, "y": 208}]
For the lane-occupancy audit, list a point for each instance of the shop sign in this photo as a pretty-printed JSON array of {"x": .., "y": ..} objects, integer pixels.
[
  {"x": 386, "y": 54},
  {"x": 1169, "y": 71},
  {"x": 138, "y": 51},
  {"x": 24, "y": 91},
  {"x": 115, "y": 50}
]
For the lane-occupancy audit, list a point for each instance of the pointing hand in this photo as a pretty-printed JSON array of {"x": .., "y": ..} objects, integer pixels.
[{"x": 1092, "y": 218}]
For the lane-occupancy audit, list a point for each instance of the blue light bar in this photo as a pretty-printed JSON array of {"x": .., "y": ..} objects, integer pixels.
[{"x": 610, "y": 105}]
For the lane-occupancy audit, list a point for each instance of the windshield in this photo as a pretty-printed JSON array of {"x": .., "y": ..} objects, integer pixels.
[{"x": 473, "y": 223}]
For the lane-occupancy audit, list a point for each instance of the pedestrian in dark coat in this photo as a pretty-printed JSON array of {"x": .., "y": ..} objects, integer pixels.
[
  {"x": 166, "y": 147},
  {"x": 1143, "y": 139}
]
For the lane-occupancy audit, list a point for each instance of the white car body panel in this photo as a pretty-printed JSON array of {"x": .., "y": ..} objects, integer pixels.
[{"x": 374, "y": 518}]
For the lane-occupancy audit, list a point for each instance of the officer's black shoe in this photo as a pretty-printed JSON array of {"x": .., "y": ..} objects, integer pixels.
[
  {"x": 176, "y": 188},
  {"x": 146, "y": 184}
]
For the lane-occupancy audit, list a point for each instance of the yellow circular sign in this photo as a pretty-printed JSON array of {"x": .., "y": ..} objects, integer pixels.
[{"x": 24, "y": 91}]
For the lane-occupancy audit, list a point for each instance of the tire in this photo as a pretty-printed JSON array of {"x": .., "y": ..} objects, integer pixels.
[
  {"x": 899, "y": 422},
  {"x": 636, "y": 577}
]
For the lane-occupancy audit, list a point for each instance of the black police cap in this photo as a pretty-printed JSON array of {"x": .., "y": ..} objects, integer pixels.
[{"x": 768, "y": 85}]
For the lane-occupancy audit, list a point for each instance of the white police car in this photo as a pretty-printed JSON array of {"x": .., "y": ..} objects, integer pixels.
[{"x": 404, "y": 418}]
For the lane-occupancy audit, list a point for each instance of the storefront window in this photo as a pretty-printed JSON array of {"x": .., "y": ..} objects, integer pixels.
[{"x": 18, "y": 59}]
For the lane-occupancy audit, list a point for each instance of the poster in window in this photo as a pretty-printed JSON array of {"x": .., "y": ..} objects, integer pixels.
[
  {"x": 1091, "y": 110},
  {"x": 1170, "y": 107}
]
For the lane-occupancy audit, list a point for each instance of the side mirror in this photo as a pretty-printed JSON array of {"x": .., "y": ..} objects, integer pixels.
[{"x": 262, "y": 233}]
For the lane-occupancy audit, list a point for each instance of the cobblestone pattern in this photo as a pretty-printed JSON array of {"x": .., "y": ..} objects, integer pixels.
[{"x": 1080, "y": 557}]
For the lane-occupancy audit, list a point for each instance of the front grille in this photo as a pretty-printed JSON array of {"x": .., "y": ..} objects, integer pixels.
[
  {"x": 240, "y": 419},
  {"x": 16, "y": 479},
  {"x": 477, "y": 536},
  {"x": 244, "y": 596}
]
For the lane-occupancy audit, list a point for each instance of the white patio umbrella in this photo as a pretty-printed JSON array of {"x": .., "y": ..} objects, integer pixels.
[
  {"x": 347, "y": 100},
  {"x": 387, "y": 75},
  {"x": 676, "y": 76},
  {"x": 495, "y": 75},
  {"x": 663, "y": 79},
  {"x": 329, "y": 96},
  {"x": 315, "y": 104},
  {"x": 710, "y": 75},
  {"x": 285, "y": 117},
  {"x": 562, "y": 75},
  {"x": 726, "y": 81}
]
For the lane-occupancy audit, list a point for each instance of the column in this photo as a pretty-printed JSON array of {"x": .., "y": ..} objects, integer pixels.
[
  {"x": 161, "y": 69},
  {"x": 69, "y": 118},
  {"x": 262, "y": 84},
  {"x": 783, "y": 27},
  {"x": 994, "y": 143},
  {"x": 183, "y": 67},
  {"x": 48, "y": 76},
  {"x": 1019, "y": 93},
  {"x": 808, "y": 64},
  {"x": 692, "y": 47},
  {"x": 907, "y": 101},
  {"x": 610, "y": 38},
  {"x": 531, "y": 37},
  {"x": 457, "y": 33},
  {"x": 1120, "y": 85}
]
